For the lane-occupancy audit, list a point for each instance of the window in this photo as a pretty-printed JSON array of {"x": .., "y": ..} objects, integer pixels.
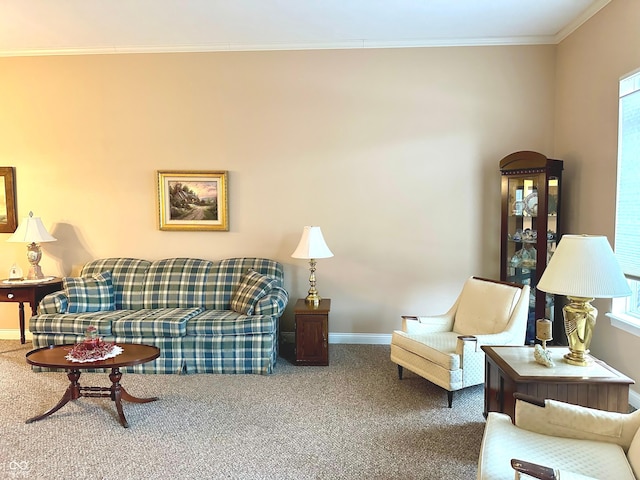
[{"x": 626, "y": 311}]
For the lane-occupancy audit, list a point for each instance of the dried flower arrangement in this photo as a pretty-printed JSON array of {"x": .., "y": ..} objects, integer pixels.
[{"x": 92, "y": 348}]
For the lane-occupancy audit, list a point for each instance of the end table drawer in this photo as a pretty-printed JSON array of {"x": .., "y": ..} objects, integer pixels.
[{"x": 15, "y": 295}]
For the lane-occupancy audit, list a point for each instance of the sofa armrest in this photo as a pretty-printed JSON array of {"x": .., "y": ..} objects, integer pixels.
[
  {"x": 562, "y": 419},
  {"x": 273, "y": 303},
  {"x": 56, "y": 302}
]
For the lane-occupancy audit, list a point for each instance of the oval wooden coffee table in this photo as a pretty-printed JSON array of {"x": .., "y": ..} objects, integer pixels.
[{"x": 53, "y": 356}]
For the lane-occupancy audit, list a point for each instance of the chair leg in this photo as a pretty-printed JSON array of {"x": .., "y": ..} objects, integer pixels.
[
  {"x": 400, "y": 372},
  {"x": 449, "y": 397}
]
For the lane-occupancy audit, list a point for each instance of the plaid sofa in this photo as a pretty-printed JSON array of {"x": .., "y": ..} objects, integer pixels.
[{"x": 205, "y": 316}]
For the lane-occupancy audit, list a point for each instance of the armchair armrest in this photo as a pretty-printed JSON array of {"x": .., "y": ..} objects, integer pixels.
[
  {"x": 533, "y": 470},
  {"x": 424, "y": 324},
  {"x": 574, "y": 421},
  {"x": 502, "y": 338}
]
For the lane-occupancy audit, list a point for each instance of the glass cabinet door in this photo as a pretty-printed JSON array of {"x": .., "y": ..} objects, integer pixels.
[{"x": 530, "y": 205}]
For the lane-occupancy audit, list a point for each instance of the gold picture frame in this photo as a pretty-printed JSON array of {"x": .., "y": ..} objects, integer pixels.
[
  {"x": 8, "y": 214},
  {"x": 192, "y": 200}
]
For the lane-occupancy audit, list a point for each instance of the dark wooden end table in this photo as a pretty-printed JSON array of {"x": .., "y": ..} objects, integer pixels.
[
  {"x": 513, "y": 369},
  {"x": 30, "y": 291},
  {"x": 53, "y": 356}
]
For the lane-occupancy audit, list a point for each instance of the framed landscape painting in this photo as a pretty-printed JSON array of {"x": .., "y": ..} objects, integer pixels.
[
  {"x": 192, "y": 200},
  {"x": 8, "y": 221}
]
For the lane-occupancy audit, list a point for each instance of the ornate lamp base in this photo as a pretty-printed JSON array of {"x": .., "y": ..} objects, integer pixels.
[
  {"x": 34, "y": 254},
  {"x": 313, "y": 299},
  {"x": 579, "y": 322}
]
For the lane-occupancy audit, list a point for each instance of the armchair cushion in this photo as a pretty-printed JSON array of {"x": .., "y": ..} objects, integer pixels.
[
  {"x": 484, "y": 307},
  {"x": 440, "y": 347},
  {"x": 573, "y": 421},
  {"x": 503, "y": 441}
]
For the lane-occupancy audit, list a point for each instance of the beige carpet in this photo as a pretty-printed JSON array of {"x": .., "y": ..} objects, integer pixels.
[{"x": 352, "y": 419}]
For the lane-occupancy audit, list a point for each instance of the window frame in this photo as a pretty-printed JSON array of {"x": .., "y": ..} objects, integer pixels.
[{"x": 622, "y": 315}]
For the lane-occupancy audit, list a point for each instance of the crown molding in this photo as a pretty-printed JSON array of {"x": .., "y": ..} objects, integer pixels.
[{"x": 578, "y": 22}]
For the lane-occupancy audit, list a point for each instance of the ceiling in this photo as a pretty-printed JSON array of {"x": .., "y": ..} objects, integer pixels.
[{"x": 59, "y": 27}]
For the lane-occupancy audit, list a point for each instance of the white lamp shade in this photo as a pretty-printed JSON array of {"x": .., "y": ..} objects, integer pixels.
[
  {"x": 312, "y": 245},
  {"x": 31, "y": 230},
  {"x": 584, "y": 266}
]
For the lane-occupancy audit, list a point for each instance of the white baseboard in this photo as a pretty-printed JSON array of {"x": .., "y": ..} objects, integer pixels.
[
  {"x": 361, "y": 338},
  {"x": 353, "y": 338},
  {"x": 13, "y": 334}
]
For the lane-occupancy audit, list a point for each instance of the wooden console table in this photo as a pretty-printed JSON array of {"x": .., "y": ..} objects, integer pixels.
[
  {"x": 513, "y": 369},
  {"x": 27, "y": 291}
]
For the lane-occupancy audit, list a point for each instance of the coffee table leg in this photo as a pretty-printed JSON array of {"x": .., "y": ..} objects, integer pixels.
[
  {"x": 118, "y": 393},
  {"x": 72, "y": 393}
]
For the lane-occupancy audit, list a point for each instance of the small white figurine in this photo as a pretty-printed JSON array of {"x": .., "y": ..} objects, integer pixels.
[{"x": 543, "y": 356}]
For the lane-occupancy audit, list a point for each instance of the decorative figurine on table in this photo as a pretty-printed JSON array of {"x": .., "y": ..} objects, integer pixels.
[{"x": 540, "y": 352}]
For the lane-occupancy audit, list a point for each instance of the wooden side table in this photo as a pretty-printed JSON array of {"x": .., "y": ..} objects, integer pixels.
[
  {"x": 27, "y": 291},
  {"x": 513, "y": 369},
  {"x": 312, "y": 333}
]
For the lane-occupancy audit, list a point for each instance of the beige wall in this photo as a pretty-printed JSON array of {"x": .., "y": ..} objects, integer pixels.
[
  {"x": 394, "y": 153},
  {"x": 590, "y": 64}
]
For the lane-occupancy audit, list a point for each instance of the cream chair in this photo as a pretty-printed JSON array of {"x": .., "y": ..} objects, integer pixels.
[
  {"x": 445, "y": 349},
  {"x": 557, "y": 440}
]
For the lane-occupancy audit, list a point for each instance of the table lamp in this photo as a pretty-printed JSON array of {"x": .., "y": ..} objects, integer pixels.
[
  {"x": 583, "y": 267},
  {"x": 32, "y": 231},
  {"x": 311, "y": 247}
]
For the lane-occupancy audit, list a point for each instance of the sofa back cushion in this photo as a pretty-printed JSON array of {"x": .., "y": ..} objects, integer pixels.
[
  {"x": 180, "y": 282},
  {"x": 176, "y": 283},
  {"x": 127, "y": 278},
  {"x": 485, "y": 307}
]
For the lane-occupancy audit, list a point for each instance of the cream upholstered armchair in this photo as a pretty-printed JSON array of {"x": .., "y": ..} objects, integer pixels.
[
  {"x": 445, "y": 349},
  {"x": 556, "y": 440}
]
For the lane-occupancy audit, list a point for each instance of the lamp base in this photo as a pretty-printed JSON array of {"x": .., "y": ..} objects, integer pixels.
[
  {"x": 579, "y": 322},
  {"x": 34, "y": 255},
  {"x": 35, "y": 273},
  {"x": 313, "y": 300},
  {"x": 578, "y": 359}
]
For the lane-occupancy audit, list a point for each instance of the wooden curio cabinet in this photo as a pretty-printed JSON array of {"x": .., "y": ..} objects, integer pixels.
[{"x": 530, "y": 230}]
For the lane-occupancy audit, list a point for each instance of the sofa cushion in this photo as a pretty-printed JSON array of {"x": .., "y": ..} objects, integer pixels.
[
  {"x": 92, "y": 294},
  {"x": 227, "y": 322},
  {"x": 75, "y": 323},
  {"x": 253, "y": 286},
  {"x": 158, "y": 322}
]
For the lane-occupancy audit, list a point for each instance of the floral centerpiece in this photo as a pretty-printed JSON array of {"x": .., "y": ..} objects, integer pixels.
[{"x": 92, "y": 348}]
